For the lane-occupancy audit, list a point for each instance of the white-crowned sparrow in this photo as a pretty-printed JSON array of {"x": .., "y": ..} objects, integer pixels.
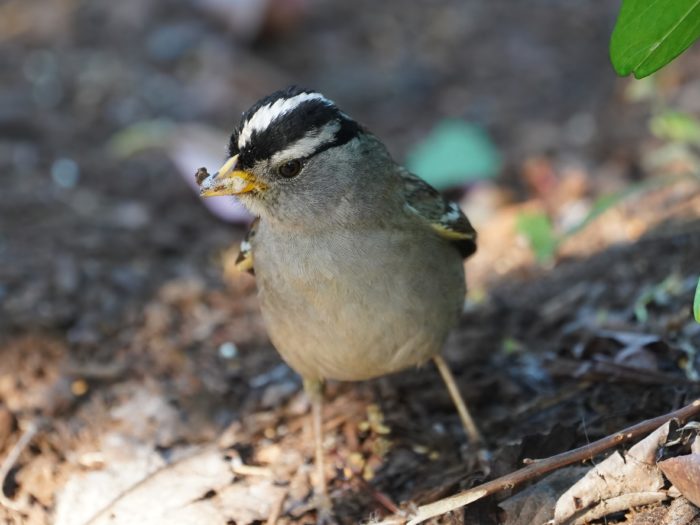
[{"x": 358, "y": 262}]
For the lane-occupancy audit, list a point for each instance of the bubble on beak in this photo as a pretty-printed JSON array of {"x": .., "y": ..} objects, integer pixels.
[{"x": 201, "y": 175}]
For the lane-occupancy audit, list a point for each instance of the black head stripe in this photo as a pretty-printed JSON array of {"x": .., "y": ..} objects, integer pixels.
[
  {"x": 349, "y": 129},
  {"x": 290, "y": 127},
  {"x": 289, "y": 92}
]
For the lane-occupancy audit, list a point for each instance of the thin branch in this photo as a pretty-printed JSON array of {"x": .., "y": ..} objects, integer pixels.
[
  {"x": 11, "y": 459},
  {"x": 537, "y": 468},
  {"x": 620, "y": 503},
  {"x": 277, "y": 509}
]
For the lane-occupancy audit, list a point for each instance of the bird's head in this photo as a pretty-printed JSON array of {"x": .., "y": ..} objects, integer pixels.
[{"x": 296, "y": 157}]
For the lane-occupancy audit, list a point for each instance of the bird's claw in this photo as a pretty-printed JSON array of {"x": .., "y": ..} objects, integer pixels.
[{"x": 324, "y": 510}]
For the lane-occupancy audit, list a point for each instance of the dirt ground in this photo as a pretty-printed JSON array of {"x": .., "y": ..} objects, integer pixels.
[{"x": 128, "y": 343}]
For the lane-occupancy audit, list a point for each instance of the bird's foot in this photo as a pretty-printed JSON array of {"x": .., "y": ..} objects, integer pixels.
[{"x": 324, "y": 510}]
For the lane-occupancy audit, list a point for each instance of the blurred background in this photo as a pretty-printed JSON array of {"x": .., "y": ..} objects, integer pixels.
[{"x": 127, "y": 339}]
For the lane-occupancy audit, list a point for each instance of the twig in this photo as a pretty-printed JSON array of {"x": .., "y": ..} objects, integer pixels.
[
  {"x": 252, "y": 470},
  {"x": 620, "y": 503},
  {"x": 540, "y": 467},
  {"x": 381, "y": 498},
  {"x": 277, "y": 509},
  {"x": 9, "y": 462}
]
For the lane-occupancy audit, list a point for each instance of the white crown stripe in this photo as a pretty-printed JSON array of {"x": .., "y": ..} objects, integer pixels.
[
  {"x": 308, "y": 144},
  {"x": 268, "y": 113}
]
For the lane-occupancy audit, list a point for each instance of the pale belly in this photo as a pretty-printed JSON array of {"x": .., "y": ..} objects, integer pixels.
[{"x": 359, "y": 310}]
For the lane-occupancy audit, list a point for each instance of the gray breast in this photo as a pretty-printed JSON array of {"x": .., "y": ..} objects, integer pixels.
[{"x": 352, "y": 306}]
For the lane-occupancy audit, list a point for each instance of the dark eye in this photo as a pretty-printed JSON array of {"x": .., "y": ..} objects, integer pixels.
[{"x": 290, "y": 169}]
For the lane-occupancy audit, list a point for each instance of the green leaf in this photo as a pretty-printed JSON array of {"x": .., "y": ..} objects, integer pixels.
[
  {"x": 511, "y": 346},
  {"x": 538, "y": 230},
  {"x": 650, "y": 33},
  {"x": 659, "y": 294},
  {"x": 453, "y": 153},
  {"x": 600, "y": 206},
  {"x": 676, "y": 127},
  {"x": 605, "y": 202},
  {"x": 696, "y": 303}
]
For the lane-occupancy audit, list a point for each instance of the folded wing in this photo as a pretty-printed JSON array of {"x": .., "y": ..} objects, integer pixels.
[{"x": 444, "y": 216}]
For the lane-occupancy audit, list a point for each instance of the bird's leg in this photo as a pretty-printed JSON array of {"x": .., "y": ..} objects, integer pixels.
[
  {"x": 467, "y": 420},
  {"x": 314, "y": 389}
]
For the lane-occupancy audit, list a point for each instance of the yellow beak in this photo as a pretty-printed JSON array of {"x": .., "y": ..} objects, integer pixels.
[{"x": 230, "y": 181}]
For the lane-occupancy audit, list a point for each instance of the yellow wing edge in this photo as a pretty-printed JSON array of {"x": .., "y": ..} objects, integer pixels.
[{"x": 452, "y": 235}]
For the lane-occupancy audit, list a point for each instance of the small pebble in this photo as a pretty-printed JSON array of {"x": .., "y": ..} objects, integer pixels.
[
  {"x": 79, "y": 387},
  {"x": 228, "y": 350},
  {"x": 65, "y": 173}
]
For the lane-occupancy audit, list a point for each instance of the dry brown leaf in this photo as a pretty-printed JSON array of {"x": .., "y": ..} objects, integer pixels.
[
  {"x": 7, "y": 425},
  {"x": 679, "y": 512},
  {"x": 196, "y": 489},
  {"x": 535, "y": 504},
  {"x": 684, "y": 473},
  {"x": 619, "y": 478}
]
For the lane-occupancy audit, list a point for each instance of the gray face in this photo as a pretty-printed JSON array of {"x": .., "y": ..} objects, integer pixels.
[
  {"x": 297, "y": 159},
  {"x": 327, "y": 188}
]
